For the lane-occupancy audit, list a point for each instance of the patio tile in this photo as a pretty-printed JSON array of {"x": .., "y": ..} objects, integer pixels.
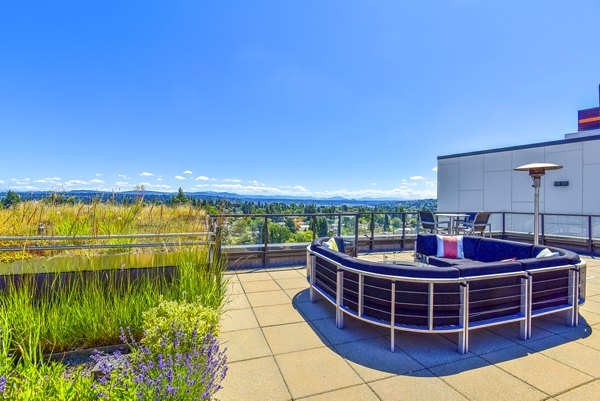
[
  {"x": 591, "y": 306},
  {"x": 373, "y": 360},
  {"x": 289, "y": 283},
  {"x": 268, "y": 298},
  {"x": 255, "y": 379},
  {"x": 570, "y": 353},
  {"x": 281, "y": 274},
  {"x": 253, "y": 276},
  {"x": 234, "y": 287},
  {"x": 245, "y": 344},
  {"x": 428, "y": 349},
  {"x": 483, "y": 341},
  {"x": 260, "y": 286},
  {"x": 292, "y": 337},
  {"x": 236, "y": 301},
  {"x": 356, "y": 393},
  {"x": 277, "y": 314},
  {"x": 478, "y": 380},
  {"x": 316, "y": 310},
  {"x": 588, "y": 336},
  {"x": 354, "y": 330},
  {"x": 315, "y": 371},
  {"x": 589, "y": 391},
  {"x": 540, "y": 371},
  {"x": 298, "y": 295},
  {"x": 238, "y": 319},
  {"x": 418, "y": 386},
  {"x": 511, "y": 332}
]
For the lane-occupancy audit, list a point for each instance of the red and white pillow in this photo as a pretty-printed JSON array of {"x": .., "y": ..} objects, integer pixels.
[{"x": 450, "y": 247}]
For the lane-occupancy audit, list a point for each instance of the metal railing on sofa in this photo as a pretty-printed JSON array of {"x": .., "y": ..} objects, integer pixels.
[{"x": 442, "y": 305}]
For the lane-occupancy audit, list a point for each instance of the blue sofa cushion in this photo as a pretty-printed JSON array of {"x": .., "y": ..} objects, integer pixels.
[
  {"x": 402, "y": 270},
  {"x": 481, "y": 269},
  {"x": 427, "y": 244},
  {"x": 470, "y": 247},
  {"x": 571, "y": 256},
  {"x": 447, "y": 262},
  {"x": 493, "y": 250},
  {"x": 539, "y": 263}
]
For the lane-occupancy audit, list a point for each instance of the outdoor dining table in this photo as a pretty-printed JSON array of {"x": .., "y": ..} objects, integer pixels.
[{"x": 454, "y": 220}]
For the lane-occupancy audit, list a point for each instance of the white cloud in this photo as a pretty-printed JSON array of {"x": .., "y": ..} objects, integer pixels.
[
  {"x": 121, "y": 183},
  {"x": 255, "y": 182},
  {"x": 123, "y": 176},
  {"x": 24, "y": 188},
  {"x": 96, "y": 181},
  {"x": 188, "y": 172},
  {"x": 202, "y": 178},
  {"x": 159, "y": 179},
  {"x": 99, "y": 174},
  {"x": 179, "y": 177},
  {"x": 1, "y": 182},
  {"x": 434, "y": 169},
  {"x": 72, "y": 183},
  {"x": 21, "y": 181},
  {"x": 233, "y": 179},
  {"x": 417, "y": 177},
  {"x": 373, "y": 184},
  {"x": 146, "y": 174}
]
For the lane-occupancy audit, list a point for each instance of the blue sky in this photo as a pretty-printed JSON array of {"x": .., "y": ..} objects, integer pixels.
[{"x": 319, "y": 98}]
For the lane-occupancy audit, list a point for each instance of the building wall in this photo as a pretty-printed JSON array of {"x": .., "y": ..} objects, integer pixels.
[{"x": 487, "y": 182}]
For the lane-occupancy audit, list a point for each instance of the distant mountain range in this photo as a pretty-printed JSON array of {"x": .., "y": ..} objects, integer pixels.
[{"x": 88, "y": 195}]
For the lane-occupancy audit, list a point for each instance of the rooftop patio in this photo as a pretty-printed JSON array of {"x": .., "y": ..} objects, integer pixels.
[{"x": 281, "y": 347}]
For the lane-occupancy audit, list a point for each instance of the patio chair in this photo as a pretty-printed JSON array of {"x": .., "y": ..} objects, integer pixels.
[
  {"x": 477, "y": 225},
  {"x": 428, "y": 222}
]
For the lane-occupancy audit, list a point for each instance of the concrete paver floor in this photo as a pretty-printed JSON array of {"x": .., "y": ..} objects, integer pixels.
[{"x": 283, "y": 347}]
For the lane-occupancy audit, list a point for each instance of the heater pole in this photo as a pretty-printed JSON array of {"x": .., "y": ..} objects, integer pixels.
[{"x": 537, "y": 181}]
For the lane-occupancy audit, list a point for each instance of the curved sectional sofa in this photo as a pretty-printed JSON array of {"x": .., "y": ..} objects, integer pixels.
[{"x": 497, "y": 282}]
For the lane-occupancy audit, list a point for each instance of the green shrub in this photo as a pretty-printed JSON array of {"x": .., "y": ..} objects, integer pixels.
[{"x": 185, "y": 316}]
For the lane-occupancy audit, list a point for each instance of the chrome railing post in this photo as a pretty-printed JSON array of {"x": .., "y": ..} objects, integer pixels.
[
  {"x": 403, "y": 228},
  {"x": 430, "y": 307},
  {"x": 357, "y": 215},
  {"x": 573, "y": 315},
  {"x": 361, "y": 294},
  {"x": 312, "y": 269},
  {"x": 590, "y": 238},
  {"x": 372, "y": 228},
  {"x": 463, "y": 320},
  {"x": 339, "y": 299},
  {"x": 265, "y": 239},
  {"x": 393, "y": 319},
  {"x": 525, "y": 325}
]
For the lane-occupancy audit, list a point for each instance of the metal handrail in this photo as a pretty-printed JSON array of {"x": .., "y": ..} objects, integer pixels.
[{"x": 95, "y": 237}]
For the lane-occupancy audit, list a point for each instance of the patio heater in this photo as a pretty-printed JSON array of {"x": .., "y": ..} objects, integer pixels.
[{"x": 536, "y": 172}]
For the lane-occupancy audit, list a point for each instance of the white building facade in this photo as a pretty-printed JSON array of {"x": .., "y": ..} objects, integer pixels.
[{"x": 485, "y": 181}]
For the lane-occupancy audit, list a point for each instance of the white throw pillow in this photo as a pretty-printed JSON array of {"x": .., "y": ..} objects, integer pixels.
[{"x": 546, "y": 253}]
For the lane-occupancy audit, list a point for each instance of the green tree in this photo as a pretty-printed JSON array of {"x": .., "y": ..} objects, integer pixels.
[
  {"x": 180, "y": 198},
  {"x": 10, "y": 199}
]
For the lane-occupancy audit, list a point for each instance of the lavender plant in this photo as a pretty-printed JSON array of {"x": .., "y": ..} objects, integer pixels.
[{"x": 192, "y": 368}]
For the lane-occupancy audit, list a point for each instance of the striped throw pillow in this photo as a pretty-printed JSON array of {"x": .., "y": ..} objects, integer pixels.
[{"x": 450, "y": 247}]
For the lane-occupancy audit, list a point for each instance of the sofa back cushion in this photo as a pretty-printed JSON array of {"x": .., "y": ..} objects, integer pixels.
[
  {"x": 470, "y": 246},
  {"x": 493, "y": 250},
  {"x": 427, "y": 244}
]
